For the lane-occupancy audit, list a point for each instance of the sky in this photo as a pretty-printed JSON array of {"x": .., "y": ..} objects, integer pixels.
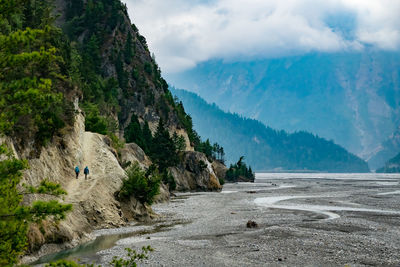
[{"x": 184, "y": 33}]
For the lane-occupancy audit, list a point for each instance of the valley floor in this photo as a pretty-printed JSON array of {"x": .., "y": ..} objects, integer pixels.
[{"x": 303, "y": 219}]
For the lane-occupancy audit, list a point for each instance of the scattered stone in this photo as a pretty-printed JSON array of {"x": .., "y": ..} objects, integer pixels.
[{"x": 251, "y": 224}]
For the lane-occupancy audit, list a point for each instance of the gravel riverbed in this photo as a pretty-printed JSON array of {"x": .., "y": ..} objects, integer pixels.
[{"x": 303, "y": 220}]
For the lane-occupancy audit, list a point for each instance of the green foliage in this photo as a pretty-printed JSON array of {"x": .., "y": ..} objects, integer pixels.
[
  {"x": 116, "y": 142},
  {"x": 93, "y": 121},
  {"x": 161, "y": 148},
  {"x": 163, "y": 151},
  {"x": 135, "y": 133},
  {"x": 14, "y": 216},
  {"x": 66, "y": 263},
  {"x": 129, "y": 49},
  {"x": 133, "y": 256},
  {"x": 46, "y": 187},
  {"x": 129, "y": 261},
  {"x": 74, "y": 9},
  {"x": 240, "y": 172},
  {"x": 144, "y": 186},
  {"x": 221, "y": 181},
  {"x": 179, "y": 142},
  {"x": 30, "y": 83},
  {"x": 148, "y": 68},
  {"x": 169, "y": 180},
  {"x": 32, "y": 72},
  {"x": 186, "y": 122}
]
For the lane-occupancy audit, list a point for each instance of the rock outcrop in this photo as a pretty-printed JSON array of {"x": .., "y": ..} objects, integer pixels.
[
  {"x": 219, "y": 169},
  {"x": 195, "y": 173}
]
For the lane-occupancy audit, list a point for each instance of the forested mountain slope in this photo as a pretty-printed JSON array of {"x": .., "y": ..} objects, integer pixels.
[{"x": 263, "y": 147}]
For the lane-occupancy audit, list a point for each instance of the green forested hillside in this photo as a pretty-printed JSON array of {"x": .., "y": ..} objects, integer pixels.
[{"x": 264, "y": 147}]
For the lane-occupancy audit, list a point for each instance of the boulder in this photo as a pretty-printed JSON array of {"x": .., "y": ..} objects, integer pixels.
[{"x": 251, "y": 224}]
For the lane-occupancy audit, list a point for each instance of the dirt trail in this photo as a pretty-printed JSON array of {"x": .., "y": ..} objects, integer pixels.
[{"x": 79, "y": 189}]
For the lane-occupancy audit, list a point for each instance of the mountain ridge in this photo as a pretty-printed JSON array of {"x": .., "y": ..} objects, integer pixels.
[
  {"x": 264, "y": 147},
  {"x": 352, "y": 98}
]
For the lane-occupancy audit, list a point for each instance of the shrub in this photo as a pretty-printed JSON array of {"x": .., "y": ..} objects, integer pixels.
[
  {"x": 129, "y": 261},
  {"x": 168, "y": 179},
  {"x": 141, "y": 185},
  {"x": 148, "y": 68},
  {"x": 93, "y": 121},
  {"x": 239, "y": 171}
]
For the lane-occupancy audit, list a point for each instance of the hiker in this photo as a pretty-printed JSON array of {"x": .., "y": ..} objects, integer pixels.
[
  {"x": 77, "y": 171},
  {"x": 86, "y": 172}
]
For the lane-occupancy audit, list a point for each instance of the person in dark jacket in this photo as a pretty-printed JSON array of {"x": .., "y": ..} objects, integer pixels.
[
  {"x": 86, "y": 172},
  {"x": 77, "y": 171}
]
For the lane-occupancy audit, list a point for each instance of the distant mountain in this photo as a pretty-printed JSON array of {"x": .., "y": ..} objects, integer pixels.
[
  {"x": 386, "y": 150},
  {"x": 392, "y": 166},
  {"x": 264, "y": 147},
  {"x": 351, "y": 98}
]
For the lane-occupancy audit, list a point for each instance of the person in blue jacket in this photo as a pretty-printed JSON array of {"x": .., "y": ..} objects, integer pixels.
[
  {"x": 77, "y": 171},
  {"x": 86, "y": 172}
]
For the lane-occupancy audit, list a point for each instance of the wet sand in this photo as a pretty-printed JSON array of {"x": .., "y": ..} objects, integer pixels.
[{"x": 303, "y": 220}]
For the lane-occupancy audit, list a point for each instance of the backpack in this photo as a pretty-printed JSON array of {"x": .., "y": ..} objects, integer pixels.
[
  {"x": 86, "y": 170},
  {"x": 76, "y": 169}
]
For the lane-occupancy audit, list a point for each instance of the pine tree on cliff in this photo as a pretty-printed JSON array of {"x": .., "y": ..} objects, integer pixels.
[
  {"x": 163, "y": 151},
  {"x": 31, "y": 76}
]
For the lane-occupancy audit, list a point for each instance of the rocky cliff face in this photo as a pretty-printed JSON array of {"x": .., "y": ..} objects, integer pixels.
[
  {"x": 195, "y": 173},
  {"x": 90, "y": 211},
  {"x": 57, "y": 162}
]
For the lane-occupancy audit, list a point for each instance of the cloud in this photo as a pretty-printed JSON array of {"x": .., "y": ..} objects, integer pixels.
[{"x": 183, "y": 33}]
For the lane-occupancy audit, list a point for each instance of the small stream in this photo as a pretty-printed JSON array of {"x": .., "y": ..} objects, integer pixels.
[{"x": 107, "y": 238}]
